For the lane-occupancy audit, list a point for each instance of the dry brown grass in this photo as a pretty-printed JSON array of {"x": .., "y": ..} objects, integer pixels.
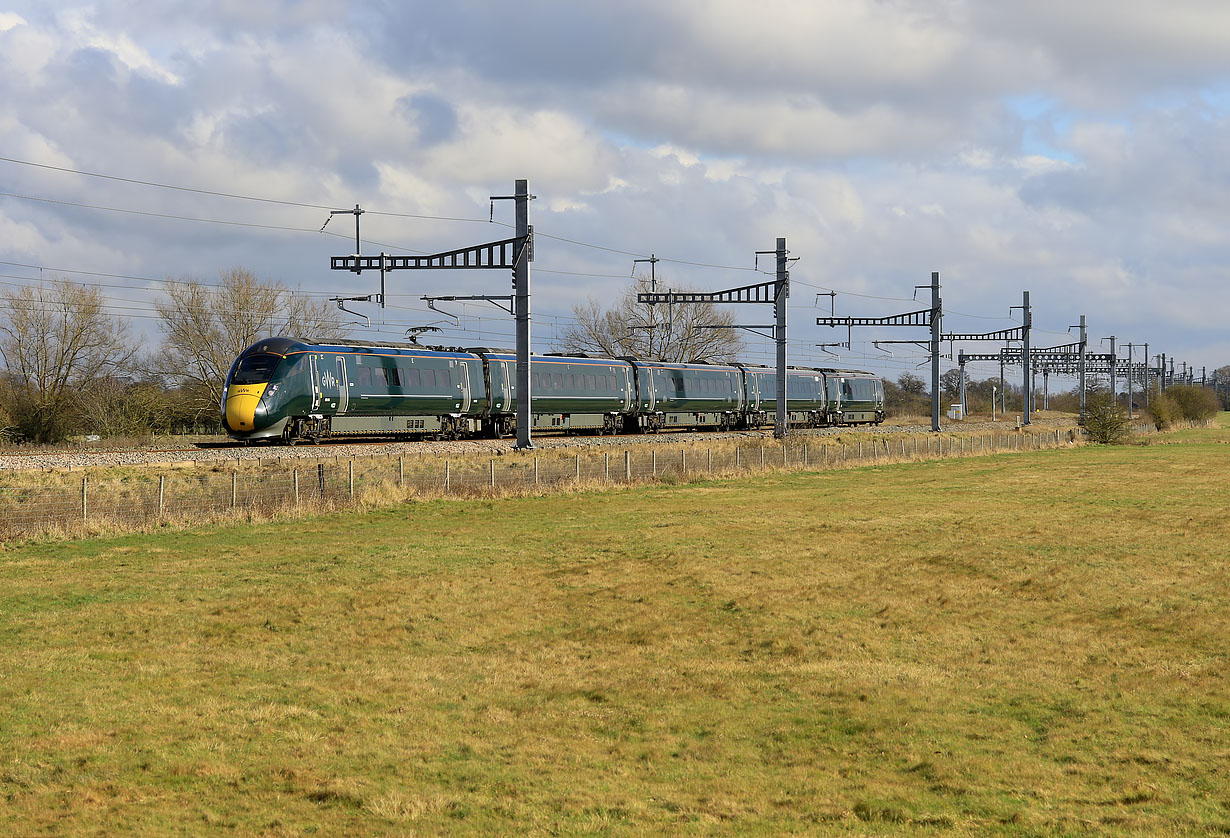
[
  {"x": 48, "y": 503},
  {"x": 1006, "y": 645}
]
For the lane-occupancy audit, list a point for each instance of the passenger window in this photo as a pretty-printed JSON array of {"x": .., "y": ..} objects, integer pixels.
[
  {"x": 412, "y": 378},
  {"x": 557, "y": 381},
  {"x": 381, "y": 376},
  {"x": 395, "y": 377},
  {"x": 568, "y": 383},
  {"x": 591, "y": 382},
  {"x": 429, "y": 378},
  {"x": 365, "y": 376}
]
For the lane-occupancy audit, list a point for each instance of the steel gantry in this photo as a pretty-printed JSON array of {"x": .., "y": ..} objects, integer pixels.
[
  {"x": 1019, "y": 333},
  {"x": 931, "y": 318},
  {"x": 775, "y": 293},
  {"x": 513, "y": 254},
  {"x": 1068, "y": 360}
]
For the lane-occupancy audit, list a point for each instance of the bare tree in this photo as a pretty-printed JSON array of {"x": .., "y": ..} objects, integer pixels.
[
  {"x": 57, "y": 341},
  {"x": 680, "y": 332},
  {"x": 207, "y": 327}
]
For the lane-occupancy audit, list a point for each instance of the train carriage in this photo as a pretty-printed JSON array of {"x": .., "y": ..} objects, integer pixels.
[
  {"x": 297, "y": 389},
  {"x": 806, "y": 396},
  {"x": 854, "y": 397},
  {"x": 567, "y": 392},
  {"x": 686, "y": 395}
]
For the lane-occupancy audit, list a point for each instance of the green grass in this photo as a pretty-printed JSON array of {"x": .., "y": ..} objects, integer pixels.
[{"x": 1019, "y": 645}]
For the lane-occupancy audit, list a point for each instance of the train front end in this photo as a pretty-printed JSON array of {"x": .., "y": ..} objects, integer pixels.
[{"x": 253, "y": 397}]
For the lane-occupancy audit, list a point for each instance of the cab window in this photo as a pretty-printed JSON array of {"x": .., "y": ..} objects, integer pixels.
[{"x": 255, "y": 369}]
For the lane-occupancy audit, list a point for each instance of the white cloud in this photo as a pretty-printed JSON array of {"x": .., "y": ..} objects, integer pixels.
[
  {"x": 82, "y": 30},
  {"x": 874, "y": 135}
]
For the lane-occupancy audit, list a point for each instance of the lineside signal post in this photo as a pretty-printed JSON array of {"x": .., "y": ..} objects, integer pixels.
[{"x": 512, "y": 254}]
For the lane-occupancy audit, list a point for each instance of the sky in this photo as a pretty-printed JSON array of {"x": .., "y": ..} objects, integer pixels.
[{"x": 1073, "y": 150}]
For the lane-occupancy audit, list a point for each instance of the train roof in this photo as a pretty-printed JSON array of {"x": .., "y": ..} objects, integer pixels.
[
  {"x": 804, "y": 370},
  {"x": 286, "y": 346}
]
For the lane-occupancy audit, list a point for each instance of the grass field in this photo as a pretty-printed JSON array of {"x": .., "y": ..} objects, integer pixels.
[{"x": 1023, "y": 644}]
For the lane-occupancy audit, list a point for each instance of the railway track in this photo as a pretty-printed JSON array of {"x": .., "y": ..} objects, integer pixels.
[{"x": 221, "y": 451}]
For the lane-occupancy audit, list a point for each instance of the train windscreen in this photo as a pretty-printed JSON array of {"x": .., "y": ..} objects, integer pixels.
[{"x": 255, "y": 369}]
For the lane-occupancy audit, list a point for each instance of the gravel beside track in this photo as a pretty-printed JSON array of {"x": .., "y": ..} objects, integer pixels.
[{"x": 103, "y": 456}]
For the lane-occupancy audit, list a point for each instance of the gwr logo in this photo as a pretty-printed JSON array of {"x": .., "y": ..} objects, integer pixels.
[{"x": 328, "y": 379}]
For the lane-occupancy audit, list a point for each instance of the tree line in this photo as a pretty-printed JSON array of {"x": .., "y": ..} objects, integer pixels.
[
  {"x": 72, "y": 367},
  {"x": 909, "y": 396}
]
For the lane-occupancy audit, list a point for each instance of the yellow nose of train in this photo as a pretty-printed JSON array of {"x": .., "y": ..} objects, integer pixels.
[{"x": 241, "y": 401}]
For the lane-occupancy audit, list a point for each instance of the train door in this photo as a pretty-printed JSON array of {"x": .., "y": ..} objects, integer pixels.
[
  {"x": 343, "y": 386},
  {"x": 505, "y": 393},
  {"x": 462, "y": 369},
  {"x": 314, "y": 374},
  {"x": 651, "y": 392}
]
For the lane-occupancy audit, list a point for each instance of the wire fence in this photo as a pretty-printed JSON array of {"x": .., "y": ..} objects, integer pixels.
[{"x": 98, "y": 501}]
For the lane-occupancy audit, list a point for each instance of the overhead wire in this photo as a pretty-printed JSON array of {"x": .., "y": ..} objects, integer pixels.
[
  {"x": 234, "y": 195},
  {"x": 420, "y": 216},
  {"x": 383, "y": 213},
  {"x": 753, "y": 349}
]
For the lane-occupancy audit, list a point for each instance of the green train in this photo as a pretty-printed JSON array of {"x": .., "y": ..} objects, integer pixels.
[{"x": 290, "y": 390}]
